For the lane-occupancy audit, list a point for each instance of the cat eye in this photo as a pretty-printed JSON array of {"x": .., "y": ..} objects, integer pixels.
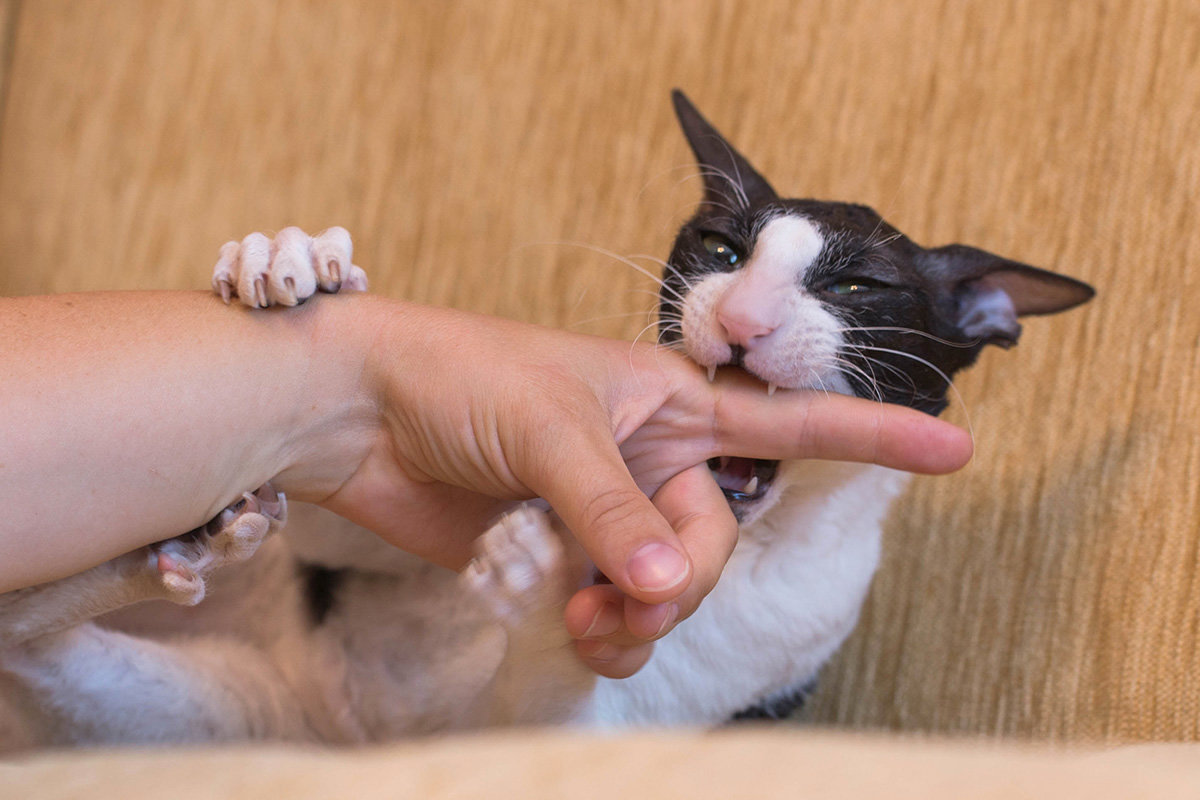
[
  {"x": 856, "y": 286},
  {"x": 720, "y": 249}
]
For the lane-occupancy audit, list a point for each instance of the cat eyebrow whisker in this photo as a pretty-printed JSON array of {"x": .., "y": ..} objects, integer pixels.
[
  {"x": 736, "y": 204},
  {"x": 689, "y": 167},
  {"x": 732, "y": 216},
  {"x": 874, "y": 232},
  {"x": 882, "y": 242},
  {"x": 734, "y": 181}
]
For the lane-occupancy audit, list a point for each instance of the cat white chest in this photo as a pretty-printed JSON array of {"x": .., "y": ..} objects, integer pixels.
[{"x": 788, "y": 598}]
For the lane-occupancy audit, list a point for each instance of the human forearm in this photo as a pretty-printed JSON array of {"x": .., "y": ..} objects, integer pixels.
[{"x": 131, "y": 417}]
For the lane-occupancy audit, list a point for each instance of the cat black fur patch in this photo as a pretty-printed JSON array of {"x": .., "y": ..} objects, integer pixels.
[
  {"x": 904, "y": 338},
  {"x": 777, "y": 708},
  {"x": 320, "y": 589}
]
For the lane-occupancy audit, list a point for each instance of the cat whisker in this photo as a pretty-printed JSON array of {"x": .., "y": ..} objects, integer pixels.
[
  {"x": 870, "y": 381},
  {"x": 626, "y": 261},
  {"x": 934, "y": 368},
  {"x": 608, "y": 318},
  {"x": 643, "y": 331},
  {"x": 914, "y": 331},
  {"x": 824, "y": 388},
  {"x": 881, "y": 384}
]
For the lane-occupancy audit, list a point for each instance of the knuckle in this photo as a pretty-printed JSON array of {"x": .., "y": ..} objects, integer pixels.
[{"x": 612, "y": 507}]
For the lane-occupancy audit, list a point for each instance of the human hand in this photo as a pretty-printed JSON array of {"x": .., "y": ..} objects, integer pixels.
[{"x": 615, "y": 436}]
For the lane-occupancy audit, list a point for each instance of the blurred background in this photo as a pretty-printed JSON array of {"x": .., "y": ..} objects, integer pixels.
[{"x": 487, "y": 155}]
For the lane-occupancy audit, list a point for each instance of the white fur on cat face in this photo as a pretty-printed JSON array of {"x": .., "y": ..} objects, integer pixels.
[
  {"x": 789, "y": 338},
  {"x": 785, "y": 335}
]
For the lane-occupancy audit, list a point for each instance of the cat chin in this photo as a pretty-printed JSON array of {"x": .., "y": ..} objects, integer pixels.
[{"x": 748, "y": 512}]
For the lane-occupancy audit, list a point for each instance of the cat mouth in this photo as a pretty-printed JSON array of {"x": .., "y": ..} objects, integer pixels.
[{"x": 742, "y": 480}]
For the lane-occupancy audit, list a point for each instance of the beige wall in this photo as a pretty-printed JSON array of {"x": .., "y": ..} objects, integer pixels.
[{"x": 1046, "y": 591}]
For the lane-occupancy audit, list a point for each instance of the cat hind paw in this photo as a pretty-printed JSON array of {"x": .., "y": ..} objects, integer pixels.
[
  {"x": 519, "y": 566},
  {"x": 287, "y": 270},
  {"x": 234, "y": 535}
]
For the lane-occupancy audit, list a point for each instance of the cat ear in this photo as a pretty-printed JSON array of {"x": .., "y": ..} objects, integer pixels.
[
  {"x": 989, "y": 292},
  {"x": 729, "y": 180}
]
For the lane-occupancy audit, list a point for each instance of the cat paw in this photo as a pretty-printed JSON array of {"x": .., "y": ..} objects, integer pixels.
[
  {"x": 519, "y": 567},
  {"x": 288, "y": 269},
  {"x": 181, "y": 564}
]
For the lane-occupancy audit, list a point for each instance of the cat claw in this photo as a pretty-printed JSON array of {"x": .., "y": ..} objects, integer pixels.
[
  {"x": 288, "y": 269},
  {"x": 234, "y": 535}
]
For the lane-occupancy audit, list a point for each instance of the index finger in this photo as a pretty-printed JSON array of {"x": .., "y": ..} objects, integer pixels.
[{"x": 807, "y": 424}]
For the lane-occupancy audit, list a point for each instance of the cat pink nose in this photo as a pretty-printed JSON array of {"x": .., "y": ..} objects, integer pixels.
[{"x": 744, "y": 330}]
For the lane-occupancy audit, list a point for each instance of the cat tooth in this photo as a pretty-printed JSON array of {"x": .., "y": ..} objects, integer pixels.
[
  {"x": 751, "y": 486},
  {"x": 712, "y": 373},
  {"x": 771, "y": 389}
]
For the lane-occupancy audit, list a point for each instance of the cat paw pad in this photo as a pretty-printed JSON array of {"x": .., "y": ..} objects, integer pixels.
[
  {"x": 519, "y": 565},
  {"x": 288, "y": 269},
  {"x": 234, "y": 535}
]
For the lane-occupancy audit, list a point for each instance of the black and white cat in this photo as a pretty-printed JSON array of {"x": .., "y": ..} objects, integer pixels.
[{"x": 327, "y": 634}]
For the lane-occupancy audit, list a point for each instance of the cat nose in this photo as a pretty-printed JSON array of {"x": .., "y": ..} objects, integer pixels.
[{"x": 745, "y": 330}]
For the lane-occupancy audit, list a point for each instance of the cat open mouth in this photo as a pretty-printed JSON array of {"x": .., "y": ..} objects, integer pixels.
[{"x": 743, "y": 480}]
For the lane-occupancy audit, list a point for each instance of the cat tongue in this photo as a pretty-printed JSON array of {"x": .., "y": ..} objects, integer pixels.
[{"x": 732, "y": 473}]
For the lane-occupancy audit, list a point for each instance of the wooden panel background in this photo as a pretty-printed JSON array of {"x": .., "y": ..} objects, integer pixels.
[{"x": 481, "y": 151}]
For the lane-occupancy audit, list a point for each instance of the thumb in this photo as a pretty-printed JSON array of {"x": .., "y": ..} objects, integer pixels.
[{"x": 586, "y": 481}]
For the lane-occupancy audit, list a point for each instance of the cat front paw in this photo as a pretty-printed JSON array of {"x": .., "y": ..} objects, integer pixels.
[
  {"x": 181, "y": 564},
  {"x": 519, "y": 568},
  {"x": 287, "y": 270}
]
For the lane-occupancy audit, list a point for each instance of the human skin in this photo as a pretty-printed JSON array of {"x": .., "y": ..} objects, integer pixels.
[{"x": 130, "y": 417}]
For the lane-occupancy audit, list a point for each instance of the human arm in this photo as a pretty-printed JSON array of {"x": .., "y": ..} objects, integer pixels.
[{"x": 131, "y": 417}]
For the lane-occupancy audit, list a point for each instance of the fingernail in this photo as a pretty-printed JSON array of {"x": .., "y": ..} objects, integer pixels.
[
  {"x": 607, "y": 621},
  {"x": 657, "y": 567},
  {"x": 597, "y": 651},
  {"x": 669, "y": 619}
]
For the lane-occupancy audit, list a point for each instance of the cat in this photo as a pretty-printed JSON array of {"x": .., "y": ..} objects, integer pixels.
[{"x": 325, "y": 634}]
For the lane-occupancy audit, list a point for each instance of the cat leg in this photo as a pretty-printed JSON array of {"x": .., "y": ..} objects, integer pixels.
[
  {"x": 288, "y": 269},
  {"x": 91, "y": 685},
  {"x": 75, "y": 682},
  {"x": 173, "y": 570},
  {"x": 520, "y": 573}
]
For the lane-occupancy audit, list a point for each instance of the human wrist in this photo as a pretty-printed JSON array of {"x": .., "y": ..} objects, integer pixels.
[{"x": 335, "y": 414}]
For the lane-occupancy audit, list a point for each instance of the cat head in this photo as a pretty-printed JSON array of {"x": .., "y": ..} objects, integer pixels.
[{"x": 830, "y": 296}]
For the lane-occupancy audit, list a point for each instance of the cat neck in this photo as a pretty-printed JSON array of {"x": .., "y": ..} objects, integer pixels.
[{"x": 822, "y": 503}]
